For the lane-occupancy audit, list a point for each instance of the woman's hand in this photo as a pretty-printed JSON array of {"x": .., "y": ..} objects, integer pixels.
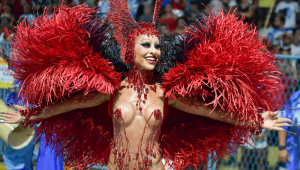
[
  {"x": 272, "y": 122},
  {"x": 13, "y": 117}
]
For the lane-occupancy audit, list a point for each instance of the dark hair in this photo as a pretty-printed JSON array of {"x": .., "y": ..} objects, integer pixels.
[
  {"x": 150, "y": 5},
  {"x": 169, "y": 4},
  {"x": 286, "y": 35},
  {"x": 184, "y": 18},
  {"x": 193, "y": 3},
  {"x": 102, "y": 42},
  {"x": 281, "y": 17},
  {"x": 11, "y": 7}
]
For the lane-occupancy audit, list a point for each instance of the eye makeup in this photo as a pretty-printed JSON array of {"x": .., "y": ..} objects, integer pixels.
[
  {"x": 148, "y": 45},
  {"x": 145, "y": 44},
  {"x": 157, "y": 46}
]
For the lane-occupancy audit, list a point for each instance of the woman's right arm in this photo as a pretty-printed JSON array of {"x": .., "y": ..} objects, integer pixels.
[{"x": 76, "y": 102}]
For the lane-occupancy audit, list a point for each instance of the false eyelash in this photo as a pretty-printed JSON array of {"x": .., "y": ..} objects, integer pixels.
[{"x": 145, "y": 44}]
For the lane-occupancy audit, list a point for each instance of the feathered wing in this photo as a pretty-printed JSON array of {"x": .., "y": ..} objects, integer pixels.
[
  {"x": 226, "y": 66},
  {"x": 53, "y": 60}
]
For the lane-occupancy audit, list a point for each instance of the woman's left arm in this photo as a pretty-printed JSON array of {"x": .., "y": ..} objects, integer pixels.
[{"x": 270, "y": 121}]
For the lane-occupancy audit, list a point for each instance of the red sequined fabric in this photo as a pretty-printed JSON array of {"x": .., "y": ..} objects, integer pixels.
[
  {"x": 157, "y": 7},
  {"x": 122, "y": 157},
  {"x": 125, "y": 33},
  {"x": 121, "y": 149},
  {"x": 138, "y": 79}
]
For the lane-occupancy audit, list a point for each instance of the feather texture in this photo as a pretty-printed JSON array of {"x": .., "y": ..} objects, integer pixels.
[
  {"x": 226, "y": 66},
  {"x": 53, "y": 60},
  {"x": 229, "y": 64}
]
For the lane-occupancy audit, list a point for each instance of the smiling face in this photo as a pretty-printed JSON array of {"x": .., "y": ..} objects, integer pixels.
[{"x": 147, "y": 51}]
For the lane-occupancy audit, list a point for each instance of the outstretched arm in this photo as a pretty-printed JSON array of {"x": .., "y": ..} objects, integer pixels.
[
  {"x": 76, "y": 102},
  {"x": 270, "y": 122}
]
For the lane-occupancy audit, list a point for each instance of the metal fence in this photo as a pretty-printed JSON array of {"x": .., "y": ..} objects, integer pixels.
[{"x": 265, "y": 155}]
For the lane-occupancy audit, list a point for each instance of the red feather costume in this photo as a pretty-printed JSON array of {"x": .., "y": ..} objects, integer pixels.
[{"x": 221, "y": 62}]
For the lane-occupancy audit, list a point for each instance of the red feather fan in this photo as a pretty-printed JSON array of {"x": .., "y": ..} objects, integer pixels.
[
  {"x": 229, "y": 64},
  {"x": 227, "y": 67},
  {"x": 53, "y": 60}
]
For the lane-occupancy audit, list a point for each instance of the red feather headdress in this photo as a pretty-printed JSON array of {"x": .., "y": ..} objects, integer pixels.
[{"x": 126, "y": 29}]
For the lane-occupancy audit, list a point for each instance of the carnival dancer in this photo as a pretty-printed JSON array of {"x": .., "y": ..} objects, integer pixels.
[{"x": 129, "y": 99}]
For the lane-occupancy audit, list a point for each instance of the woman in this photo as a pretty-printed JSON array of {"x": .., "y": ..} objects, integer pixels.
[
  {"x": 178, "y": 7},
  {"x": 168, "y": 18},
  {"x": 245, "y": 9},
  {"x": 180, "y": 25},
  {"x": 68, "y": 85}
]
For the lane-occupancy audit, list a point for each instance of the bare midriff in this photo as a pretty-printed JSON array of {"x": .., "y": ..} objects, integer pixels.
[{"x": 136, "y": 132}]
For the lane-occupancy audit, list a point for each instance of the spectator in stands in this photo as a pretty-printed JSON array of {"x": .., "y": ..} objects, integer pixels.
[
  {"x": 141, "y": 7},
  {"x": 23, "y": 20},
  {"x": 6, "y": 27},
  {"x": 2, "y": 4},
  {"x": 164, "y": 30},
  {"x": 287, "y": 47},
  {"x": 165, "y": 2},
  {"x": 246, "y": 9},
  {"x": 103, "y": 5},
  {"x": 133, "y": 6},
  {"x": 7, "y": 9},
  {"x": 216, "y": 5},
  {"x": 263, "y": 7},
  {"x": 18, "y": 159},
  {"x": 181, "y": 22},
  {"x": 38, "y": 9},
  {"x": 65, "y": 2},
  {"x": 267, "y": 32},
  {"x": 147, "y": 15},
  {"x": 178, "y": 7},
  {"x": 279, "y": 30},
  {"x": 79, "y": 2},
  {"x": 289, "y": 9},
  {"x": 8, "y": 13},
  {"x": 18, "y": 7},
  {"x": 28, "y": 14},
  {"x": 202, "y": 4},
  {"x": 50, "y": 9},
  {"x": 169, "y": 18},
  {"x": 288, "y": 143},
  {"x": 193, "y": 13}
]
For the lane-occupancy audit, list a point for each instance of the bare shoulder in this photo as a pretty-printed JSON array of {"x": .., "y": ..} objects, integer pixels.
[
  {"x": 159, "y": 90},
  {"x": 161, "y": 94}
]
